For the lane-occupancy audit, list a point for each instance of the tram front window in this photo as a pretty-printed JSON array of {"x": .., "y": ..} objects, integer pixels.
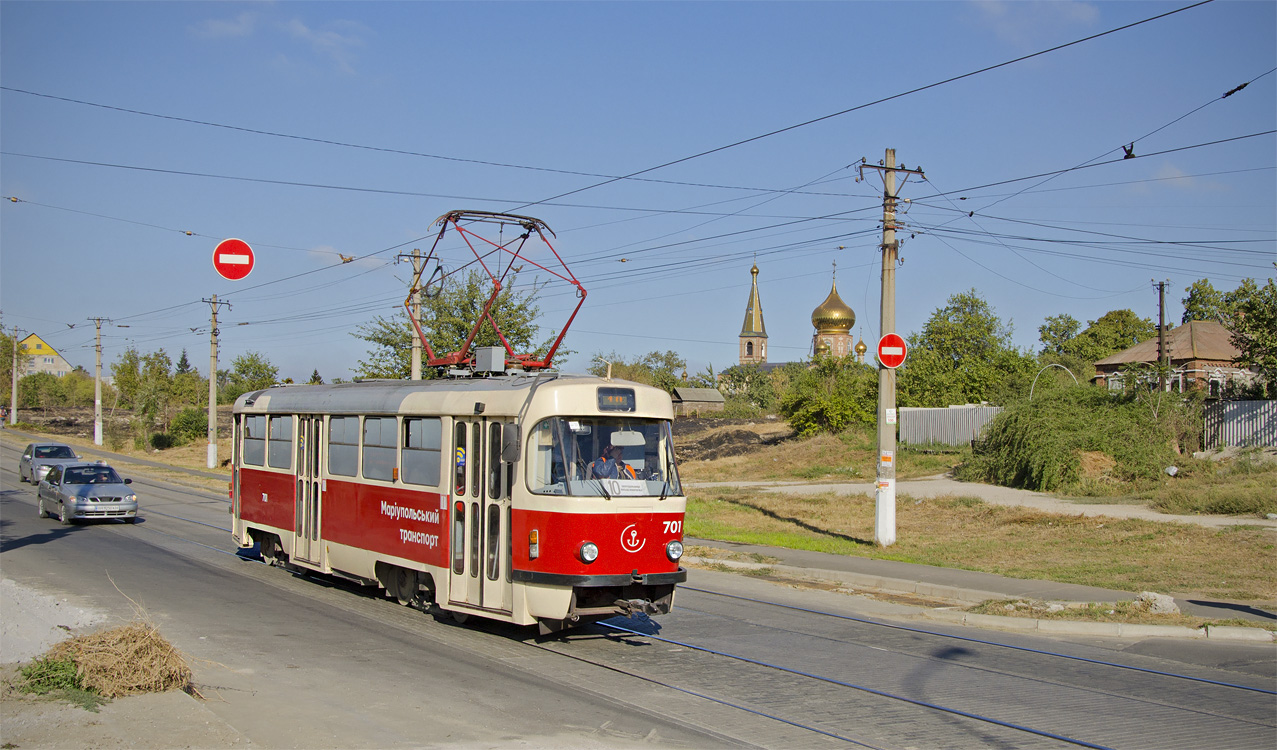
[{"x": 603, "y": 456}]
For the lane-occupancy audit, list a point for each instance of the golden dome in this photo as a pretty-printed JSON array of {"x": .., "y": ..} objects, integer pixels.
[
  {"x": 861, "y": 348},
  {"x": 833, "y": 315},
  {"x": 822, "y": 348}
]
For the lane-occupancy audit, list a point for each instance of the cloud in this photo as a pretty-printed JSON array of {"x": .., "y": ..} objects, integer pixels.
[
  {"x": 336, "y": 43},
  {"x": 1027, "y": 24},
  {"x": 241, "y": 26},
  {"x": 1172, "y": 177}
]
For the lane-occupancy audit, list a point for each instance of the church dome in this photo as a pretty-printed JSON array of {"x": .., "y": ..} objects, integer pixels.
[{"x": 833, "y": 316}]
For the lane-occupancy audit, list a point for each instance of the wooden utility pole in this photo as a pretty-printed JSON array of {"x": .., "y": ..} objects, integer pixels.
[
  {"x": 885, "y": 494},
  {"x": 212, "y": 383},
  {"x": 1163, "y": 356}
]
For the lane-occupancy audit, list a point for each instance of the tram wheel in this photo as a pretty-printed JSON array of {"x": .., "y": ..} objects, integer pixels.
[{"x": 405, "y": 586}]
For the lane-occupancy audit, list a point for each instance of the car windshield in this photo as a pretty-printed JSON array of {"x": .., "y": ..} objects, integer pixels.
[
  {"x": 90, "y": 475},
  {"x": 53, "y": 451},
  {"x": 604, "y": 456}
]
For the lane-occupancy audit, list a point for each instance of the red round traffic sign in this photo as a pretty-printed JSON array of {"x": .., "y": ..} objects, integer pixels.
[
  {"x": 233, "y": 259},
  {"x": 892, "y": 350}
]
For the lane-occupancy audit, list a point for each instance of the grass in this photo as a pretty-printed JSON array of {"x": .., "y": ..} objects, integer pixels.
[
  {"x": 59, "y": 679},
  {"x": 1237, "y": 563}
]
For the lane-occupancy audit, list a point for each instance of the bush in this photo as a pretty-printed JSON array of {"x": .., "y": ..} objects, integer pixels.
[
  {"x": 162, "y": 441},
  {"x": 835, "y": 394},
  {"x": 189, "y": 425},
  {"x": 1037, "y": 445}
]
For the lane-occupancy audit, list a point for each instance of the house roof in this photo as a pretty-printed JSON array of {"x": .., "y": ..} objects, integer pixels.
[{"x": 1196, "y": 339}]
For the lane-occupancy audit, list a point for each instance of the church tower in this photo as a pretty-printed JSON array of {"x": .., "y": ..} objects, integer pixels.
[
  {"x": 753, "y": 334},
  {"x": 833, "y": 320}
]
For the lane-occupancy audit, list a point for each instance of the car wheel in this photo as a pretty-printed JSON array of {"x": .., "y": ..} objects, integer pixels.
[
  {"x": 43, "y": 513},
  {"x": 63, "y": 518}
]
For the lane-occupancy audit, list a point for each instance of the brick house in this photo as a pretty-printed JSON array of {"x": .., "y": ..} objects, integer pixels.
[{"x": 1202, "y": 355}]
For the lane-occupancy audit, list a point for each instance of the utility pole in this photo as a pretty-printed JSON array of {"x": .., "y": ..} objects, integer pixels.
[
  {"x": 13, "y": 392},
  {"x": 97, "y": 383},
  {"x": 415, "y": 291},
  {"x": 1163, "y": 356},
  {"x": 212, "y": 383},
  {"x": 885, "y": 495}
]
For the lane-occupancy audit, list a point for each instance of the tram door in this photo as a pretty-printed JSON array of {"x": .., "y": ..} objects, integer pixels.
[
  {"x": 480, "y": 538},
  {"x": 309, "y": 489}
]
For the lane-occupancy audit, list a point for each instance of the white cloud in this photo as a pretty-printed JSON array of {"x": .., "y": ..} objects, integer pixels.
[
  {"x": 1027, "y": 24},
  {"x": 336, "y": 43},
  {"x": 242, "y": 25}
]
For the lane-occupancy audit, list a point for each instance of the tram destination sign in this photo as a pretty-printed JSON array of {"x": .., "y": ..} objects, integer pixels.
[{"x": 233, "y": 259}]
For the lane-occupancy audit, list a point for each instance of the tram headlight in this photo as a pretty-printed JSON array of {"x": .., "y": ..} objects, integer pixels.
[
  {"x": 588, "y": 552},
  {"x": 674, "y": 550}
]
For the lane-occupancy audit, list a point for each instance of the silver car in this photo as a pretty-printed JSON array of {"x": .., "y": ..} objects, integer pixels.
[
  {"x": 38, "y": 458},
  {"x": 85, "y": 491}
]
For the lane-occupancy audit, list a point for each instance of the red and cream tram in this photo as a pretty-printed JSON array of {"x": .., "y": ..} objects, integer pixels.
[{"x": 541, "y": 499}]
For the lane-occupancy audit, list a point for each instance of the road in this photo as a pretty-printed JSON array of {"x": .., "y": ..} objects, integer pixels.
[{"x": 290, "y": 661}]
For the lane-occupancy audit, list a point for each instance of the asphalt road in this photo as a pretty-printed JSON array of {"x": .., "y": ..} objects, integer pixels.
[{"x": 291, "y": 661}]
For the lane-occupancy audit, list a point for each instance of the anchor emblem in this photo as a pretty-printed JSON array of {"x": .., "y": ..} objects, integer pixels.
[{"x": 630, "y": 539}]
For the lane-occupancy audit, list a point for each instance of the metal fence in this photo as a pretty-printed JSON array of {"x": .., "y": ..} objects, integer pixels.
[
  {"x": 1240, "y": 423},
  {"x": 956, "y": 425}
]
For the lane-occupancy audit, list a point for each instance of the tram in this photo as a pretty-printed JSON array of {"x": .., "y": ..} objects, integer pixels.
[{"x": 534, "y": 498}]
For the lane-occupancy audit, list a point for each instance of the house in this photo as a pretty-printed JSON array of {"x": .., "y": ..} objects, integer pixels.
[
  {"x": 696, "y": 400},
  {"x": 1201, "y": 352},
  {"x": 43, "y": 358}
]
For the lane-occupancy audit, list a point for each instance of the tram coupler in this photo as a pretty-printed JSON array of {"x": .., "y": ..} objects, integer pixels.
[{"x": 631, "y": 607}]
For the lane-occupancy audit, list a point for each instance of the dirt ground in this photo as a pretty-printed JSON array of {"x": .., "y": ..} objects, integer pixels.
[{"x": 33, "y": 622}]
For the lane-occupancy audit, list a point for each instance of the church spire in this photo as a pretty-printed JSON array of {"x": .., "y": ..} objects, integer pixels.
[{"x": 753, "y": 333}]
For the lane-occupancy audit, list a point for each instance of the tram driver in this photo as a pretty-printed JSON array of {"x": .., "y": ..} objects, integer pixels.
[{"x": 610, "y": 465}]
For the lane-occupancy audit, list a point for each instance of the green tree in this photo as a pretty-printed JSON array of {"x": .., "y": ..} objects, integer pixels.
[
  {"x": 1203, "y": 302},
  {"x": 832, "y": 394},
  {"x": 1251, "y": 316},
  {"x": 315, "y": 378},
  {"x": 1111, "y": 333},
  {"x": 7, "y": 343},
  {"x": 447, "y": 320},
  {"x": 183, "y": 365},
  {"x": 1056, "y": 331},
  {"x": 963, "y": 355},
  {"x": 40, "y": 390},
  {"x": 661, "y": 369},
  {"x": 750, "y": 382},
  {"x": 250, "y": 371}
]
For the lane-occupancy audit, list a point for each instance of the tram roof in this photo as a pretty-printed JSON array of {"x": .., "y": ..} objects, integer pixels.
[{"x": 390, "y": 396}]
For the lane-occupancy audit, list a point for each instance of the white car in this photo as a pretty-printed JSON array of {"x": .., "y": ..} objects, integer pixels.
[{"x": 38, "y": 458}]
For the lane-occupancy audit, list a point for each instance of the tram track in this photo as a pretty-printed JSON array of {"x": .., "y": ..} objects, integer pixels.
[{"x": 783, "y": 691}]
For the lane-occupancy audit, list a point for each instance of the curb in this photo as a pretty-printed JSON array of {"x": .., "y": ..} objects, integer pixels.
[{"x": 998, "y": 622}]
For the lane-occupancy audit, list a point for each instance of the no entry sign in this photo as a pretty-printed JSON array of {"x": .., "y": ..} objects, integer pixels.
[
  {"x": 892, "y": 350},
  {"x": 233, "y": 259}
]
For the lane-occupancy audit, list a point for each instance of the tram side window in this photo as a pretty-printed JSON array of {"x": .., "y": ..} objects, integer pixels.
[
  {"x": 494, "y": 461},
  {"x": 254, "y": 440},
  {"x": 461, "y": 458},
  {"x": 343, "y": 445},
  {"x": 422, "y": 446},
  {"x": 380, "y": 445},
  {"x": 280, "y": 443}
]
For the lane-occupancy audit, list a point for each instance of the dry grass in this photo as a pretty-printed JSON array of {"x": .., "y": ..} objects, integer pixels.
[
  {"x": 1123, "y": 611},
  {"x": 1237, "y": 563},
  {"x": 850, "y": 457},
  {"x": 127, "y": 660}
]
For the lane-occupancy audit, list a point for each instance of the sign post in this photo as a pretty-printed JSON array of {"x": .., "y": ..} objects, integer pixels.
[{"x": 233, "y": 259}]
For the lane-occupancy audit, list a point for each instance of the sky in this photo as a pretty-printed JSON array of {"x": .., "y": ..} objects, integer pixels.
[{"x": 136, "y": 136}]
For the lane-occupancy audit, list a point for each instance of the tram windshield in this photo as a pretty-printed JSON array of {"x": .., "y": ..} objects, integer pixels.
[{"x": 603, "y": 456}]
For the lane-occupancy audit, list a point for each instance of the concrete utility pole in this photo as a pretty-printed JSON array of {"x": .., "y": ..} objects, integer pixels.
[
  {"x": 212, "y": 383},
  {"x": 97, "y": 382},
  {"x": 885, "y": 494},
  {"x": 416, "y": 314},
  {"x": 13, "y": 392}
]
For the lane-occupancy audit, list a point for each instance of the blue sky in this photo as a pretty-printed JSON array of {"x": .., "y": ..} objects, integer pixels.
[{"x": 508, "y": 104}]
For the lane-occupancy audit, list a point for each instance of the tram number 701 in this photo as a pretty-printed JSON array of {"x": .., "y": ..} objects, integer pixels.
[{"x": 673, "y": 527}]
